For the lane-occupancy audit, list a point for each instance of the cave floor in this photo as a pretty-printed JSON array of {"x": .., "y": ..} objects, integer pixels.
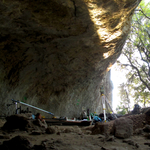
[{"x": 80, "y": 140}]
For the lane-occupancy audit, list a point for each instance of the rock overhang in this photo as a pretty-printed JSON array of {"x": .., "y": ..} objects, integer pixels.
[{"x": 56, "y": 52}]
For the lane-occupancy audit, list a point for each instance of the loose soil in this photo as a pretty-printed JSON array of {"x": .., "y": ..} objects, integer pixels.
[{"x": 79, "y": 138}]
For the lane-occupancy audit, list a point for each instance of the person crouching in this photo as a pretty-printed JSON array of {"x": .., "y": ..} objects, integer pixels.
[{"x": 40, "y": 121}]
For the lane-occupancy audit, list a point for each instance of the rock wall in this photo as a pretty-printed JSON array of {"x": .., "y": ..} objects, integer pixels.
[
  {"x": 108, "y": 86},
  {"x": 54, "y": 53}
]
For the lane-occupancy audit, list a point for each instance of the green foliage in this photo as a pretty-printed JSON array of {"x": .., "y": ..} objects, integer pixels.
[
  {"x": 124, "y": 106},
  {"x": 121, "y": 110},
  {"x": 137, "y": 54}
]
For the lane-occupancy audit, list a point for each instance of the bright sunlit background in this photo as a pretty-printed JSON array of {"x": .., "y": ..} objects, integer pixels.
[{"x": 118, "y": 77}]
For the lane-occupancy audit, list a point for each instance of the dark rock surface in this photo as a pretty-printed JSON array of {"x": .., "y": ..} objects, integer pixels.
[
  {"x": 123, "y": 128},
  {"x": 50, "y": 130},
  {"x": 146, "y": 128},
  {"x": 20, "y": 122},
  {"x": 18, "y": 143},
  {"x": 17, "y": 122},
  {"x": 55, "y": 53},
  {"x": 4, "y": 136}
]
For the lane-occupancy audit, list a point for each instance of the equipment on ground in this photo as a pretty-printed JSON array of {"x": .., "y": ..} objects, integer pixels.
[
  {"x": 104, "y": 100},
  {"x": 16, "y": 102},
  {"x": 110, "y": 107}
]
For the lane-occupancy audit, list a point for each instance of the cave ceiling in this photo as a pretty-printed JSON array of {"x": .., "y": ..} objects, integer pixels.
[{"x": 54, "y": 53}]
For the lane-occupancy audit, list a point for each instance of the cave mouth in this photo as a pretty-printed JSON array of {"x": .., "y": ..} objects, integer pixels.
[{"x": 55, "y": 54}]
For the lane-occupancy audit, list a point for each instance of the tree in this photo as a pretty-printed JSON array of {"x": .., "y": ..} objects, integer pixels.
[
  {"x": 137, "y": 54},
  {"x": 125, "y": 101}
]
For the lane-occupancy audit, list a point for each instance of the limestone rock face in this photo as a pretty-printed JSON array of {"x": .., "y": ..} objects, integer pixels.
[{"x": 54, "y": 53}]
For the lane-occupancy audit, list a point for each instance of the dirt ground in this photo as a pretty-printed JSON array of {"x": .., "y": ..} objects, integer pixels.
[{"x": 79, "y": 138}]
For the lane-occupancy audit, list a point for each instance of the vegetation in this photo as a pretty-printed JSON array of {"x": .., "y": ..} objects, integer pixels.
[{"x": 137, "y": 54}]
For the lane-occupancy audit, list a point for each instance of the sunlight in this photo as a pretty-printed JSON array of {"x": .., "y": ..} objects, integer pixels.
[
  {"x": 117, "y": 77},
  {"x": 109, "y": 67},
  {"x": 106, "y": 55},
  {"x": 108, "y": 36},
  {"x": 106, "y": 33},
  {"x": 102, "y": 31},
  {"x": 103, "y": 21},
  {"x": 146, "y": 1}
]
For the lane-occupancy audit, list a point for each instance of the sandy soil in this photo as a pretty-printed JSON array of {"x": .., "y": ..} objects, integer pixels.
[{"x": 79, "y": 138}]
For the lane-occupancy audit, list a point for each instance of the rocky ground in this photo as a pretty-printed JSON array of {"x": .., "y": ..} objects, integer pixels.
[{"x": 69, "y": 138}]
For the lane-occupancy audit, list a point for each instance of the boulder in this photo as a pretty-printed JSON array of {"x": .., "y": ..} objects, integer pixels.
[
  {"x": 18, "y": 121},
  {"x": 51, "y": 130},
  {"x": 103, "y": 128},
  {"x": 17, "y": 143},
  {"x": 123, "y": 128}
]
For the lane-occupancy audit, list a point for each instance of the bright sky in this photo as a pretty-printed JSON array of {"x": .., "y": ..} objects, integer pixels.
[
  {"x": 146, "y": 1},
  {"x": 117, "y": 78}
]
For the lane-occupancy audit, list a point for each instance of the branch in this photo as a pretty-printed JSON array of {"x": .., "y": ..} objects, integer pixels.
[
  {"x": 144, "y": 51},
  {"x": 147, "y": 60},
  {"x": 138, "y": 72},
  {"x": 140, "y": 49},
  {"x": 141, "y": 10},
  {"x": 147, "y": 75}
]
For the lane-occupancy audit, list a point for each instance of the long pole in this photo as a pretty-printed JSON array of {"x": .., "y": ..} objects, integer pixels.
[
  {"x": 32, "y": 106},
  {"x": 104, "y": 107},
  {"x": 110, "y": 107}
]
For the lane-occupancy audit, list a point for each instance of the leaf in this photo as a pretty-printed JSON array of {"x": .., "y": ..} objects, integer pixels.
[{"x": 137, "y": 53}]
